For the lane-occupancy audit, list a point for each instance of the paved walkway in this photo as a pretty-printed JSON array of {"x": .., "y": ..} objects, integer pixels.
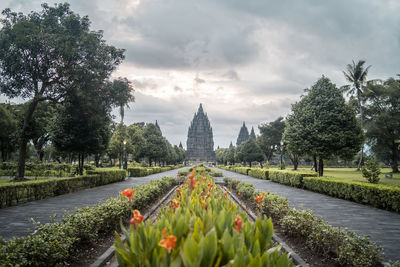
[
  {"x": 15, "y": 221},
  {"x": 382, "y": 226}
]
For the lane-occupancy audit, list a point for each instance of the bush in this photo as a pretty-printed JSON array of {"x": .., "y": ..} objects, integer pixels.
[
  {"x": 242, "y": 170},
  {"x": 144, "y": 171},
  {"x": 22, "y": 192},
  {"x": 377, "y": 195},
  {"x": 246, "y": 190},
  {"x": 259, "y": 173},
  {"x": 371, "y": 171},
  {"x": 216, "y": 173},
  {"x": 292, "y": 178},
  {"x": 51, "y": 244}
]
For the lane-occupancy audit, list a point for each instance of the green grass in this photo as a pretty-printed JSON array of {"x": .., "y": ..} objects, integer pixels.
[{"x": 351, "y": 174}]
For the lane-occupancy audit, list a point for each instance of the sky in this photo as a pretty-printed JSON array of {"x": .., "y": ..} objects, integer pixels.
[{"x": 243, "y": 60}]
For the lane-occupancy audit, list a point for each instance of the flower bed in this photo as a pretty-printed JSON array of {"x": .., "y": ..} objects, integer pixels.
[
  {"x": 52, "y": 243},
  {"x": 341, "y": 245},
  {"x": 201, "y": 227}
]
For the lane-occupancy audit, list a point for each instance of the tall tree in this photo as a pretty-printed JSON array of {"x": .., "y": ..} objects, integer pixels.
[
  {"x": 325, "y": 124},
  {"x": 383, "y": 120},
  {"x": 122, "y": 91},
  {"x": 357, "y": 75},
  {"x": 156, "y": 147},
  {"x": 45, "y": 54},
  {"x": 271, "y": 136}
]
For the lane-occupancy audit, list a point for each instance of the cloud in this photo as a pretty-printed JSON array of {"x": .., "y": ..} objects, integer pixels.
[{"x": 244, "y": 60}]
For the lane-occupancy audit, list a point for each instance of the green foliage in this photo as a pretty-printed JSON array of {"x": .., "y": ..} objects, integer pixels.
[
  {"x": 292, "y": 178},
  {"x": 271, "y": 136},
  {"x": 343, "y": 246},
  {"x": 204, "y": 234},
  {"x": 382, "y": 120},
  {"x": 379, "y": 196},
  {"x": 22, "y": 192},
  {"x": 259, "y": 173},
  {"x": 371, "y": 171},
  {"x": 51, "y": 244},
  {"x": 249, "y": 151},
  {"x": 322, "y": 124}
]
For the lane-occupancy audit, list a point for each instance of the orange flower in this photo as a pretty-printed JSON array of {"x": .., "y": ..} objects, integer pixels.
[
  {"x": 208, "y": 194},
  {"x": 259, "y": 198},
  {"x": 168, "y": 242},
  {"x": 174, "y": 204},
  {"x": 226, "y": 194},
  {"x": 204, "y": 204},
  {"x": 239, "y": 193},
  {"x": 238, "y": 223},
  {"x": 179, "y": 191},
  {"x": 204, "y": 178},
  {"x": 128, "y": 193},
  {"x": 137, "y": 218}
]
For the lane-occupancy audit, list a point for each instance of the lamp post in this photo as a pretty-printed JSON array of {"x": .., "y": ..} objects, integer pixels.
[
  {"x": 125, "y": 160},
  {"x": 281, "y": 155}
]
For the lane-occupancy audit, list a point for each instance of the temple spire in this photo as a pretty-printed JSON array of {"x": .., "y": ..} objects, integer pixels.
[
  {"x": 252, "y": 134},
  {"x": 243, "y": 135}
]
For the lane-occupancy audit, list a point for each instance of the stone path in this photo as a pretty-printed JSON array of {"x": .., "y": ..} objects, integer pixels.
[
  {"x": 382, "y": 226},
  {"x": 15, "y": 221}
]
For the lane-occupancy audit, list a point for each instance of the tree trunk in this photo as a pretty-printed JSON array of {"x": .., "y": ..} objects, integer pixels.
[
  {"x": 295, "y": 164},
  {"x": 321, "y": 167},
  {"x": 395, "y": 158},
  {"x": 362, "y": 128},
  {"x": 24, "y": 141},
  {"x": 315, "y": 163},
  {"x": 97, "y": 159},
  {"x": 250, "y": 164},
  {"x": 81, "y": 158},
  {"x": 120, "y": 160}
]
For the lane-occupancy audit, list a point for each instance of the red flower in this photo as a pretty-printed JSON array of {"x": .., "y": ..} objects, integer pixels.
[
  {"x": 204, "y": 178},
  {"x": 174, "y": 204},
  {"x": 128, "y": 193},
  {"x": 168, "y": 242},
  {"x": 136, "y": 219},
  {"x": 238, "y": 223}
]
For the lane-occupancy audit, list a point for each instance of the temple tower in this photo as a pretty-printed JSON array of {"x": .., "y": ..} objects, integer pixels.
[
  {"x": 200, "y": 143},
  {"x": 243, "y": 135}
]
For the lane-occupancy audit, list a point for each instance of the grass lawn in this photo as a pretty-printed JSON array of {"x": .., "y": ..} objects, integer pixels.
[{"x": 351, "y": 174}]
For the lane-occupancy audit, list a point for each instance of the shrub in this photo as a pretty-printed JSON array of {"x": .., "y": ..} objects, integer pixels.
[
  {"x": 274, "y": 206},
  {"x": 259, "y": 173},
  {"x": 371, "y": 171},
  {"x": 216, "y": 173},
  {"x": 246, "y": 190},
  {"x": 144, "y": 171},
  {"x": 242, "y": 170},
  {"x": 292, "y": 178},
  {"x": 377, "y": 195},
  {"x": 52, "y": 243}
]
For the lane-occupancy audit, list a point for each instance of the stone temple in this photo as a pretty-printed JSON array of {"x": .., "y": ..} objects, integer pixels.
[{"x": 200, "y": 143}]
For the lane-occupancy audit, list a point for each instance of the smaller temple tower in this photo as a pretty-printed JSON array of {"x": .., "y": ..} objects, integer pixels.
[
  {"x": 252, "y": 134},
  {"x": 243, "y": 135}
]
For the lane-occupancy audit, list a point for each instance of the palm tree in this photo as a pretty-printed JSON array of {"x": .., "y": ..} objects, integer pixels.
[{"x": 357, "y": 75}]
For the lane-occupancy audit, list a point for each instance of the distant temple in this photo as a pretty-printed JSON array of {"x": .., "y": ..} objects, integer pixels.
[
  {"x": 243, "y": 135},
  {"x": 200, "y": 143}
]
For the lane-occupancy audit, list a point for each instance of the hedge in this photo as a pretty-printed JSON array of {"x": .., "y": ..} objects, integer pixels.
[
  {"x": 379, "y": 196},
  {"x": 292, "y": 178},
  {"x": 144, "y": 171},
  {"x": 21, "y": 192},
  {"x": 259, "y": 173},
  {"x": 51, "y": 244},
  {"x": 42, "y": 169},
  {"x": 340, "y": 244}
]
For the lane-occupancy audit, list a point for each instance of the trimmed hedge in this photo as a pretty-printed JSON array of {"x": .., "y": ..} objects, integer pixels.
[
  {"x": 339, "y": 244},
  {"x": 51, "y": 244},
  {"x": 259, "y": 173},
  {"x": 292, "y": 178},
  {"x": 144, "y": 171},
  {"x": 42, "y": 169},
  {"x": 21, "y": 192},
  {"x": 376, "y": 195}
]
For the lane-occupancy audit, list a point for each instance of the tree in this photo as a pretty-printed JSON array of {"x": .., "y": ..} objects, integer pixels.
[
  {"x": 230, "y": 154},
  {"x": 383, "y": 120},
  {"x": 357, "y": 75},
  {"x": 322, "y": 124},
  {"x": 220, "y": 155},
  {"x": 8, "y": 126},
  {"x": 180, "y": 152},
  {"x": 116, "y": 144},
  {"x": 45, "y": 54},
  {"x": 136, "y": 139},
  {"x": 82, "y": 123},
  {"x": 271, "y": 136},
  {"x": 121, "y": 89},
  {"x": 249, "y": 151},
  {"x": 156, "y": 147}
]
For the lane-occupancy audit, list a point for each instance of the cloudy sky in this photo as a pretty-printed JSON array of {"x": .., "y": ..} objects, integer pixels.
[{"x": 244, "y": 60}]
